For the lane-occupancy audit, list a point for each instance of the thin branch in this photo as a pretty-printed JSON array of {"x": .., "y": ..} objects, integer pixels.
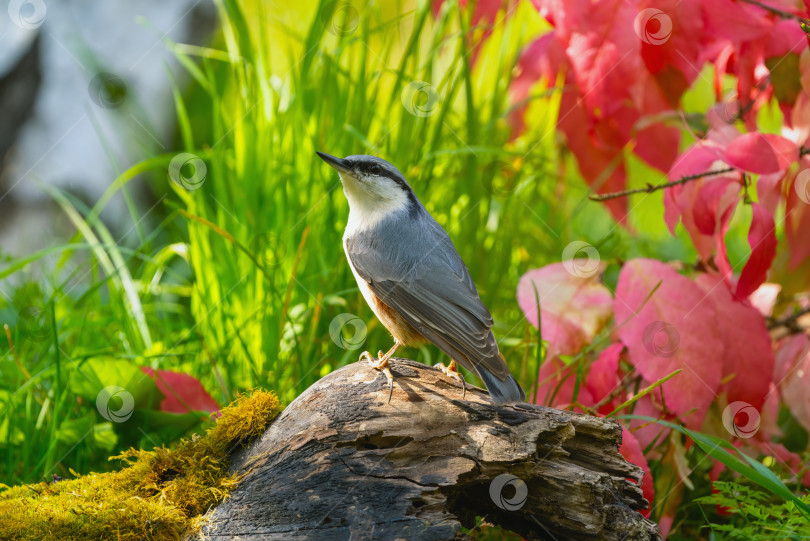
[
  {"x": 777, "y": 11},
  {"x": 790, "y": 322},
  {"x": 803, "y": 151},
  {"x": 652, "y": 188}
]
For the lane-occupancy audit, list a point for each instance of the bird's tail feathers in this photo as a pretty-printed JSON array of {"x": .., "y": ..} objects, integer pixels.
[{"x": 502, "y": 392}]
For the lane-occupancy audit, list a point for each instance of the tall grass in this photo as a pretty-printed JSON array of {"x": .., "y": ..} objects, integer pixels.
[
  {"x": 242, "y": 278},
  {"x": 265, "y": 228}
]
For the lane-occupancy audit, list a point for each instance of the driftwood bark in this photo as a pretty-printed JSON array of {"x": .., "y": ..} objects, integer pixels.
[{"x": 342, "y": 463}]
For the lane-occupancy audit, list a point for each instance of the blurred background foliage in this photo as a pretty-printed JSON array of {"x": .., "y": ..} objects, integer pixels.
[{"x": 238, "y": 280}]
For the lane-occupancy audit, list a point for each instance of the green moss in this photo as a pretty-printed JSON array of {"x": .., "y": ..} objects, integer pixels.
[{"x": 159, "y": 494}]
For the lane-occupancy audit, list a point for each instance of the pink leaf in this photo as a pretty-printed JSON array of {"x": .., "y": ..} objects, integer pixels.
[
  {"x": 658, "y": 145},
  {"x": 696, "y": 159},
  {"x": 630, "y": 449},
  {"x": 792, "y": 375},
  {"x": 735, "y": 21},
  {"x": 540, "y": 60},
  {"x": 747, "y": 356},
  {"x": 769, "y": 190},
  {"x": 574, "y": 305},
  {"x": 182, "y": 393},
  {"x": 797, "y": 218},
  {"x": 762, "y": 238},
  {"x": 673, "y": 330},
  {"x": 762, "y": 153}
]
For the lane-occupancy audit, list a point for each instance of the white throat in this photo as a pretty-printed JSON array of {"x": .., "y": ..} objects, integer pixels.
[{"x": 367, "y": 209}]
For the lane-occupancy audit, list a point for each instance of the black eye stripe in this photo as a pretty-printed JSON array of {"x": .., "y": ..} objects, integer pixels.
[{"x": 377, "y": 169}]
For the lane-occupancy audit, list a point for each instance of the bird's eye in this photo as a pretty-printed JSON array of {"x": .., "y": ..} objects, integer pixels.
[{"x": 375, "y": 169}]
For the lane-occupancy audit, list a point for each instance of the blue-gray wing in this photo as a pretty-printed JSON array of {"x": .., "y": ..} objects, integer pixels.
[{"x": 422, "y": 277}]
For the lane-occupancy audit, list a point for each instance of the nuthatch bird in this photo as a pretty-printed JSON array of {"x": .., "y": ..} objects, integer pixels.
[{"x": 413, "y": 278}]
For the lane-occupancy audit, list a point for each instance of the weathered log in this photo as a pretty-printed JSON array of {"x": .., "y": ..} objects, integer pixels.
[{"x": 342, "y": 463}]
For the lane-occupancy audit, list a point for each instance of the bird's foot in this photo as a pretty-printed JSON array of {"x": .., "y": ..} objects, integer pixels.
[
  {"x": 381, "y": 364},
  {"x": 452, "y": 371}
]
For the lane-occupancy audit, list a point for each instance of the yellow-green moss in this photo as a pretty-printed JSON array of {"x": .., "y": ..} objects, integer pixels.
[{"x": 160, "y": 494}]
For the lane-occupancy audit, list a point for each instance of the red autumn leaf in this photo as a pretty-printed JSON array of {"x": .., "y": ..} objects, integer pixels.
[
  {"x": 574, "y": 305},
  {"x": 674, "y": 58},
  {"x": 762, "y": 239},
  {"x": 792, "y": 375},
  {"x": 762, "y": 153},
  {"x": 735, "y": 21},
  {"x": 603, "y": 377},
  {"x": 797, "y": 218},
  {"x": 556, "y": 384},
  {"x": 673, "y": 330},
  {"x": 769, "y": 190},
  {"x": 714, "y": 203},
  {"x": 697, "y": 159},
  {"x": 630, "y": 449},
  {"x": 658, "y": 145},
  {"x": 747, "y": 357},
  {"x": 182, "y": 393}
]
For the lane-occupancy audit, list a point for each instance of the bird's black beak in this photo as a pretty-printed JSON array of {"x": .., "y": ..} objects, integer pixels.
[{"x": 337, "y": 163}]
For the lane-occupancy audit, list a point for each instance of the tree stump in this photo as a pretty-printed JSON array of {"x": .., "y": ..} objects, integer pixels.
[{"x": 342, "y": 463}]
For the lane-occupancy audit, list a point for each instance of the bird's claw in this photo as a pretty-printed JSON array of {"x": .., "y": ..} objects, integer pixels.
[
  {"x": 381, "y": 364},
  {"x": 452, "y": 372}
]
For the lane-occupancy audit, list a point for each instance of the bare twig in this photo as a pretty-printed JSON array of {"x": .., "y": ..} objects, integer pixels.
[
  {"x": 777, "y": 11},
  {"x": 655, "y": 187},
  {"x": 790, "y": 322},
  {"x": 803, "y": 151}
]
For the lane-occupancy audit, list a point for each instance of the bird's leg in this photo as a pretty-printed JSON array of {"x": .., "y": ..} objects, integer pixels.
[
  {"x": 451, "y": 371},
  {"x": 381, "y": 364}
]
